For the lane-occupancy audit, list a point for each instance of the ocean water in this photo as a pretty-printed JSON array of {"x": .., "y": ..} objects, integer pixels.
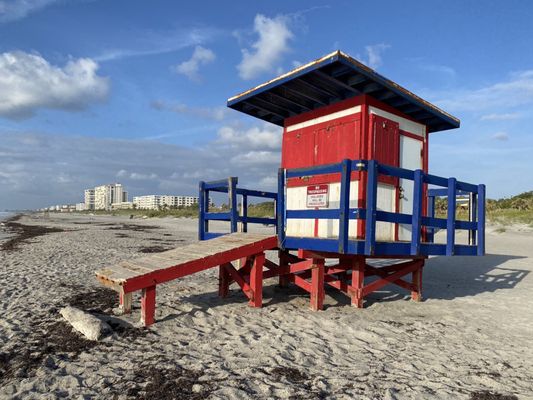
[{"x": 5, "y": 214}]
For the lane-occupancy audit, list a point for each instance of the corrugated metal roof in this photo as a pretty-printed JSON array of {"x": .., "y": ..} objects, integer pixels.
[{"x": 330, "y": 79}]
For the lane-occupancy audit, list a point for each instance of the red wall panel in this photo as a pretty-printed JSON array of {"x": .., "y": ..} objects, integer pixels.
[
  {"x": 338, "y": 141},
  {"x": 298, "y": 148}
]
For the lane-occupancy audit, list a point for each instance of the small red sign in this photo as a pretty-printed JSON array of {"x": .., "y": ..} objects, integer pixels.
[{"x": 317, "y": 196}]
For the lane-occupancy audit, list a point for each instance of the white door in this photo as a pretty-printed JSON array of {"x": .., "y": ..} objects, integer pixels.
[{"x": 410, "y": 158}]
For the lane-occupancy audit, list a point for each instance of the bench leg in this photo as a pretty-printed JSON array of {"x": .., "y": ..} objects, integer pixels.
[
  {"x": 317, "y": 284},
  {"x": 358, "y": 281},
  {"x": 223, "y": 281},
  {"x": 148, "y": 306},
  {"x": 256, "y": 280},
  {"x": 125, "y": 302}
]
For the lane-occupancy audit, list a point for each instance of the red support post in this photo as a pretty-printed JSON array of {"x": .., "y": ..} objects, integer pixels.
[
  {"x": 416, "y": 294},
  {"x": 317, "y": 284},
  {"x": 358, "y": 281},
  {"x": 148, "y": 306},
  {"x": 223, "y": 281},
  {"x": 283, "y": 262},
  {"x": 256, "y": 280}
]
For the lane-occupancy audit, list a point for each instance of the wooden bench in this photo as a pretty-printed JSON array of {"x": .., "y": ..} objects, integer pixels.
[{"x": 145, "y": 273}]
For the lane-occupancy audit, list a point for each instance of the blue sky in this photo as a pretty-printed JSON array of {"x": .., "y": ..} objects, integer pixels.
[{"x": 93, "y": 92}]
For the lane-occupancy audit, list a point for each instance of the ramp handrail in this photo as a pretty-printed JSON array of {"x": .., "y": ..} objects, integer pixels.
[{"x": 229, "y": 186}]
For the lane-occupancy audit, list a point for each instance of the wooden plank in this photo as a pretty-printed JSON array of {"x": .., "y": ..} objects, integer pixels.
[
  {"x": 208, "y": 253},
  {"x": 116, "y": 273},
  {"x": 139, "y": 266}
]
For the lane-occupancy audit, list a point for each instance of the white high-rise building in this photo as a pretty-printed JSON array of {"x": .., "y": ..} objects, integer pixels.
[
  {"x": 106, "y": 195},
  {"x": 156, "y": 202},
  {"x": 89, "y": 199}
]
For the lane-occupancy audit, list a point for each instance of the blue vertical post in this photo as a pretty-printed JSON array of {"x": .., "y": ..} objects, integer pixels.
[
  {"x": 450, "y": 220},
  {"x": 431, "y": 213},
  {"x": 416, "y": 223},
  {"x": 244, "y": 213},
  {"x": 202, "y": 222},
  {"x": 344, "y": 208},
  {"x": 280, "y": 208},
  {"x": 234, "y": 211},
  {"x": 472, "y": 210},
  {"x": 371, "y": 205},
  {"x": 481, "y": 220}
]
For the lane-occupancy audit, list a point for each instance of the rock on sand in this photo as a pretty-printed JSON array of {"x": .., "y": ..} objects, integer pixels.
[{"x": 87, "y": 324}]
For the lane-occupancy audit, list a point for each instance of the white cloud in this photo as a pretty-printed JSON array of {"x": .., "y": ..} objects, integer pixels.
[
  {"x": 443, "y": 69},
  {"x": 255, "y": 158},
  {"x": 214, "y": 113},
  {"x": 11, "y": 10},
  {"x": 374, "y": 53},
  {"x": 500, "y": 116},
  {"x": 264, "y": 137},
  {"x": 136, "y": 176},
  {"x": 266, "y": 53},
  {"x": 200, "y": 56},
  {"x": 28, "y": 82},
  {"x": 148, "y": 43},
  {"x": 515, "y": 91},
  {"x": 502, "y": 136}
]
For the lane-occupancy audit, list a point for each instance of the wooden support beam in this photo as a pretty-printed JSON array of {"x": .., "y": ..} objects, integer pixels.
[
  {"x": 237, "y": 277},
  {"x": 148, "y": 306},
  {"x": 382, "y": 273},
  {"x": 317, "y": 284},
  {"x": 125, "y": 302},
  {"x": 300, "y": 282},
  {"x": 392, "y": 278},
  {"x": 358, "y": 280},
  {"x": 224, "y": 280},
  {"x": 256, "y": 280},
  {"x": 416, "y": 294},
  {"x": 284, "y": 264},
  {"x": 301, "y": 266}
]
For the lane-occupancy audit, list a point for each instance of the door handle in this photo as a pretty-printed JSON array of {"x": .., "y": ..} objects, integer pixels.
[{"x": 400, "y": 189}]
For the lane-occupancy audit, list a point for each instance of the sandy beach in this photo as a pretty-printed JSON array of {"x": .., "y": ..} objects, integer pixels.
[{"x": 471, "y": 338}]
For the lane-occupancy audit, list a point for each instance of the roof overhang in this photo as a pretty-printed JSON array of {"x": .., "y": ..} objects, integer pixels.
[{"x": 328, "y": 80}]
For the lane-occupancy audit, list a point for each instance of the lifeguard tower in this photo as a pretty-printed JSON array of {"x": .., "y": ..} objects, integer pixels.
[{"x": 353, "y": 186}]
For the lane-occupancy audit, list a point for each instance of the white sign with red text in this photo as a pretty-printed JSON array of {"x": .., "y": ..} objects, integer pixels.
[{"x": 317, "y": 196}]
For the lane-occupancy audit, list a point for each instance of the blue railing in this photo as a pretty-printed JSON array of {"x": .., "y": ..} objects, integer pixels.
[
  {"x": 369, "y": 245},
  {"x": 232, "y": 215},
  {"x": 422, "y": 224}
]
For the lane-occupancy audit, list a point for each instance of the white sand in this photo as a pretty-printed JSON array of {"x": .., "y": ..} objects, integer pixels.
[{"x": 473, "y": 332}]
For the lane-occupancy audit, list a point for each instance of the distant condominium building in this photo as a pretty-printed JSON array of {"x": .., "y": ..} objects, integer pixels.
[
  {"x": 106, "y": 195},
  {"x": 89, "y": 199},
  {"x": 124, "y": 205},
  {"x": 156, "y": 202}
]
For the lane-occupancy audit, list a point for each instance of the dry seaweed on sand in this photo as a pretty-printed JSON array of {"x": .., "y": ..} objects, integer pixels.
[
  {"x": 154, "y": 249},
  {"x": 132, "y": 227},
  {"x": 487, "y": 395},
  {"x": 50, "y": 338},
  {"x": 151, "y": 382},
  {"x": 23, "y": 233}
]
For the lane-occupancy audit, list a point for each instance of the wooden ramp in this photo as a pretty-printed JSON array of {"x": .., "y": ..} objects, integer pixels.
[{"x": 146, "y": 272}]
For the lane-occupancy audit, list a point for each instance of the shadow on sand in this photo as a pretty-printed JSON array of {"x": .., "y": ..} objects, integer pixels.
[{"x": 445, "y": 278}]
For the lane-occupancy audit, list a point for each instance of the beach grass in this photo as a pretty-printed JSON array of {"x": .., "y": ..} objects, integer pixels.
[{"x": 265, "y": 209}]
